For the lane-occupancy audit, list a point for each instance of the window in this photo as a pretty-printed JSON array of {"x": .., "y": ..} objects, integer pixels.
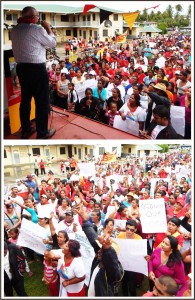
[
  {"x": 85, "y": 150},
  {"x": 115, "y": 17},
  {"x": 75, "y": 150},
  {"x": 78, "y": 18},
  {"x": 101, "y": 150},
  {"x": 5, "y": 154},
  {"x": 84, "y": 18},
  {"x": 114, "y": 149},
  {"x": 43, "y": 17},
  {"x": 65, "y": 18},
  {"x": 129, "y": 150},
  {"x": 62, "y": 150},
  {"x": 90, "y": 33},
  {"x": 88, "y": 18},
  {"x": 80, "y": 32},
  {"x": 93, "y": 17},
  {"x": 68, "y": 32},
  {"x": 9, "y": 17},
  {"x": 73, "y": 19},
  {"x": 105, "y": 32},
  {"x": 36, "y": 151}
]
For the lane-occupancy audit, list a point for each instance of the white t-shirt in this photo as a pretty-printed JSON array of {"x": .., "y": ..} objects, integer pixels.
[
  {"x": 75, "y": 269},
  {"x": 139, "y": 115},
  {"x": 7, "y": 266},
  {"x": 156, "y": 131}
]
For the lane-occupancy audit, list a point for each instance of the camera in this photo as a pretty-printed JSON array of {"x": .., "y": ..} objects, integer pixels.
[{"x": 112, "y": 181}]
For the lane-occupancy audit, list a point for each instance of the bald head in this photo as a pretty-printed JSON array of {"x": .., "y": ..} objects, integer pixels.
[{"x": 28, "y": 11}]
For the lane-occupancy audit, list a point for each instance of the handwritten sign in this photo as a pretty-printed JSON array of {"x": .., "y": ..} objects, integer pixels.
[
  {"x": 153, "y": 215},
  {"x": 87, "y": 169},
  {"x": 127, "y": 125},
  {"x": 120, "y": 223},
  {"x": 131, "y": 255},
  {"x": 31, "y": 236},
  {"x": 74, "y": 177},
  {"x": 153, "y": 182},
  {"x": 87, "y": 253},
  {"x": 46, "y": 209}
]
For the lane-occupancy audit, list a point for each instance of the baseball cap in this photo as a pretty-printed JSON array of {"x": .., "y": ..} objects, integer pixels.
[
  {"x": 42, "y": 215},
  {"x": 69, "y": 212},
  {"x": 180, "y": 62},
  {"x": 139, "y": 68},
  {"x": 29, "y": 176},
  {"x": 117, "y": 76},
  {"x": 177, "y": 72},
  {"x": 44, "y": 196},
  {"x": 180, "y": 201},
  {"x": 125, "y": 74},
  {"x": 18, "y": 180},
  {"x": 92, "y": 72}
]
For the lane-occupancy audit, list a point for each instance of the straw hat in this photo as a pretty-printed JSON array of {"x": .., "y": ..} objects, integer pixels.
[{"x": 161, "y": 86}]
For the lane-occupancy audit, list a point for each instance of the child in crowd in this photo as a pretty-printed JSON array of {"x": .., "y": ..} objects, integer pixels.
[
  {"x": 14, "y": 233},
  {"x": 112, "y": 113},
  {"x": 51, "y": 275},
  {"x": 72, "y": 97}
]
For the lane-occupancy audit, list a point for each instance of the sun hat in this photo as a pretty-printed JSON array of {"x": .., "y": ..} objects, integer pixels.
[
  {"x": 161, "y": 86},
  {"x": 113, "y": 245}
]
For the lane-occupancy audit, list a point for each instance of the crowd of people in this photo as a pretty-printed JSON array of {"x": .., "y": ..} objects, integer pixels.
[
  {"x": 104, "y": 208},
  {"x": 128, "y": 80}
]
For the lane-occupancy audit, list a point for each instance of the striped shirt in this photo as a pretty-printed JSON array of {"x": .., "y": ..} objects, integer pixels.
[
  {"x": 29, "y": 42},
  {"x": 48, "y": 272}
]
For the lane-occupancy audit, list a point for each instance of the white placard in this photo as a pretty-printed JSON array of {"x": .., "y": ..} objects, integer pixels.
[
  {"x": 153, "y": 182},
  {"x": 31, "y": 236},
  {"x": 178, "y": 119},
  {"x": 46, "y": 209},
  {"x": 87, "y": 253},
  {"x": 153, "y": 216},
  {"x": 87, "y": 169},
  {"x": 131, "y": 255},
  {"x": 127, "y": 125},
  {"x": 110, "y": 209},
  {"x": 80, "y": 88},
  {"x": 91, "y": 83},
  {"x": 74, "y": 177},
  {"x": 120, "y": 223}
]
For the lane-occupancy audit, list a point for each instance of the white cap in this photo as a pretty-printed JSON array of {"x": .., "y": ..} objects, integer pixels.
[
  {"x": 92, "y": 72},
  {"x": 42, "y": 215},
  {"x": 18, "y": 180}
]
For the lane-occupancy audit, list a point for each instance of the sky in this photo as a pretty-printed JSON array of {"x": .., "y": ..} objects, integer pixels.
[
  {"x": 131, "y": 5},
  {"x": 126, "y": 6}
]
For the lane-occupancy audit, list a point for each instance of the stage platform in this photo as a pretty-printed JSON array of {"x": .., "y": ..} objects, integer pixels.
[{"x": 74, "y": 127}]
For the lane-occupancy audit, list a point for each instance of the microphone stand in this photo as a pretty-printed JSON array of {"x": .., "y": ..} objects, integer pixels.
[{"x": 57, "y": 112}]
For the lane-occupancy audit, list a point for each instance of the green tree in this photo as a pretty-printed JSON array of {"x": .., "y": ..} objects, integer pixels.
[{"x": 165, "y": 148}]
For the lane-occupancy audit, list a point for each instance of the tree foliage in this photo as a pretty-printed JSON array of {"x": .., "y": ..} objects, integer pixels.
[{"x": 168, "y": 18}]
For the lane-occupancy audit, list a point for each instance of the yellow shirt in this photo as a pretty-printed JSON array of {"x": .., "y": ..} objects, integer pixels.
[{"x": 122, "y": 235}]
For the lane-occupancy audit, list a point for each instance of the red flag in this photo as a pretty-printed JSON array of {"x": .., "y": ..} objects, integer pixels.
[
  {"x": 156, "y": 6},
  {"x": 87, "y": 7}
]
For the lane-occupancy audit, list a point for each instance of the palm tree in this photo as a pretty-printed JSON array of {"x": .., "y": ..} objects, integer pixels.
[{"x": 169, "y": 11}]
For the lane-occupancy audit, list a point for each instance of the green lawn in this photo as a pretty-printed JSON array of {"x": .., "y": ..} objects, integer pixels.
[{"x": 34, "y": 286}]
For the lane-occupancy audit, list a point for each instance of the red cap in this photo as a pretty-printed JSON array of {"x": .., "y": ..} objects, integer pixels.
[
  {"x": 181, "y": 201},
  {"x": 125, "y": 74},
  {"x": 139, "y": 68}
]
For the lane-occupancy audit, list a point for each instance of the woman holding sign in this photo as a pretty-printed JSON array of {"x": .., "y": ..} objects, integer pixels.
[{"x": 167, "y": 260}]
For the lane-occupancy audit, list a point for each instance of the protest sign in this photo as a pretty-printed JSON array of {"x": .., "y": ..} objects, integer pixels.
[
  {"x": 46, "y": 209},
  {"x": 87, "y": 253},
  {"x": 74, "y": 177},
  {"x": 87, "y": 169},
  {"x": 153, "y": 182},
  {"x": 91, "y": 83},
  {"x": 110, "y": 209},
  {"x": 80, "y": 89},
  {"x": 31, "y": 236},
  {"x": 131, "y": 255},
  {"x": 178, "y": 119},
  {"x": 120, "y": 223},
  {"x": 153, "y": 215},
  {"x": 127, "y": 125}
]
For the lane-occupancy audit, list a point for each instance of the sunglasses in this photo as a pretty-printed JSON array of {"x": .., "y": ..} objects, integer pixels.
[{"x": 130, "y": 229}]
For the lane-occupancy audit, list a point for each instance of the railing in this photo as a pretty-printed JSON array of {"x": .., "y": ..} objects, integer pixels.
[{"x": 76, "y": 24}]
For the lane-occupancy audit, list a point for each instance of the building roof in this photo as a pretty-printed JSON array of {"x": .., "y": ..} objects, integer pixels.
[
  {"x": 150, "y": 29},
  {"x": 149, "y": 147},
  {"x": 56, "y": 8}
]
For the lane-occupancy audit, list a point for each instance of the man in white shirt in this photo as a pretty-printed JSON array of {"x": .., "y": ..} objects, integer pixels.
[{"x": 29, "y": 42}]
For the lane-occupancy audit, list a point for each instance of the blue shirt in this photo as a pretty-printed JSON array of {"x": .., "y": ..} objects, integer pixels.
[{"x": 103, "y": 94}]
